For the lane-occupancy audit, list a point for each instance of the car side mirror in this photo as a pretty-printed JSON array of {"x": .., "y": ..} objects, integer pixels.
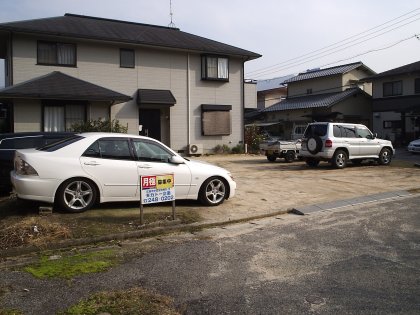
[
  {"x": 374, "y": 136},
  {"x": 175, "y": 159}
]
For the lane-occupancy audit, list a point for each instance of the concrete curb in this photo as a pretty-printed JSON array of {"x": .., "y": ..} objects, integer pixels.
[{"x": 350, "y": 202}]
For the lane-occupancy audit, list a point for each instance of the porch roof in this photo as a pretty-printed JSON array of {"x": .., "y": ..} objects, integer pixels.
[
  {"x": 60, "y": 86},
  {"x": 156, "y": 97}
]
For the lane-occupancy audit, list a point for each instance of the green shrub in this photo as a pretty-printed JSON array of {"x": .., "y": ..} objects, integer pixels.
[
  {"x": 100, "y": 125},
  {"x": 238, "y": 149},
  {"x": 221, "y": 149},
  {"x": 253, "y": 138}
]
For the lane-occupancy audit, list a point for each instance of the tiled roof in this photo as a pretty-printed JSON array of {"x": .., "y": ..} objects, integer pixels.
[
  {"x": 87, "y": 27},
  {"x": 318, "y": 73},
  {"x": 57, "y": 85},
  {"x": 410, "y": 68},
  {"x": 312, "y": 101}
]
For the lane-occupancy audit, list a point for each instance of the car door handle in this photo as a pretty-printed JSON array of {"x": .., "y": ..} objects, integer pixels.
[
  {"x": 92, "y": 163},
  {"x": 145, "y": 166}
]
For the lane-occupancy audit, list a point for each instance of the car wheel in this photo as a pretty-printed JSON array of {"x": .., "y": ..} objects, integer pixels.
[
  {"x": 312, "y": 162},
  {"x": 314, "y": 144},
  {"x": 385, "y": 157},
  {"x": 213, "y": 191},
  {"x": 290, "y": 156},
  {"x": 76, "y": 195},
  {"x": 339, "y": 159},
  {"x": 271, "y": 158}
]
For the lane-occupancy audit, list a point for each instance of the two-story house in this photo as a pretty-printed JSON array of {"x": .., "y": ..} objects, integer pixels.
[
  {"x": 328, "y": 94},
  {"x": 185, "y": 90},
  {"x": 396, "y": 103}
]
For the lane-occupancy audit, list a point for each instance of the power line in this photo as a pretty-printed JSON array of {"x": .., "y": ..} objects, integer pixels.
[
  {"x": 336, "y": 45},
  {"x": 316, "y": 57}
]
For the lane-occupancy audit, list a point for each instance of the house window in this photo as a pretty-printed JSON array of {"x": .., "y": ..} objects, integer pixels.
[
  {"x": 216, "y": 120},
  {"x": 394, "y": 124},
  {"x": 214, "y": 68},
  {"x": 63, "y": 117},
  {"x": 127, "y": 58},
  {"x": 417, "y": 86},
  {"x": 308, "y": 91},
  {"x": 56, "y": 54},
  {"x": 392, "y": 88}
]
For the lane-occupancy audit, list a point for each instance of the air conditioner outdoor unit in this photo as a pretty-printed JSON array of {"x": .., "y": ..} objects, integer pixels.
[{"x": 194, "y": 149}]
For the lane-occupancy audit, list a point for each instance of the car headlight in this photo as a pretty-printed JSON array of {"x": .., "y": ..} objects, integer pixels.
[{"x": 23, "y": 168}]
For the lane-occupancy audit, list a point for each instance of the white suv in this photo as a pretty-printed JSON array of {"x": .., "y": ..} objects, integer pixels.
[{"x": 340, "y": 142}]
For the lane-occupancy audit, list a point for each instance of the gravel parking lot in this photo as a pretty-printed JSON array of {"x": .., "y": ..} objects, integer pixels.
[{"x": 265, "y": 187}]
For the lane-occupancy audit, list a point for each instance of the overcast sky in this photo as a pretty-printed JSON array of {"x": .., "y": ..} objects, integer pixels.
[{"x": 292, "y": 36}]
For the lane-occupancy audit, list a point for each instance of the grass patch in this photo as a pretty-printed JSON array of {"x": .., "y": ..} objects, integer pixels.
[
  {"x": 134, "y": 301},
  {"x": 68, "y": 267}
]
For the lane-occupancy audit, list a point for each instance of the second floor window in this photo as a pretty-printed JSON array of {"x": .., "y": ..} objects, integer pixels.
[
  {"x": 214, "y": 68},
  {"x": 56, "y": 54},
  {"x": 392, "y": 88},
  {"x": 127, "y": 58}
]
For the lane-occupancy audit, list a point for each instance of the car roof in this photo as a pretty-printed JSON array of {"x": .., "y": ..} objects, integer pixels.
[{"x": 111, "y": 135}]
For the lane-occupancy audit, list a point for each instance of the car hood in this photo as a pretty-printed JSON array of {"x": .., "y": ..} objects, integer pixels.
[
  {"x": 207, "y": 167},
  {"x": 417, "y": 142}
]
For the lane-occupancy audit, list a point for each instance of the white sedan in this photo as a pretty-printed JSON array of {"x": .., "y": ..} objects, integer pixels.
[
  {"x": 77, "y": 172},
  {"x": 414, "y": 146}
]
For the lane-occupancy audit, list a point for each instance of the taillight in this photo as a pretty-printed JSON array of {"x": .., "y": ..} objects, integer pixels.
[
  {"x": 328, "y": 143},
  {"x": 23, "y": 168}
]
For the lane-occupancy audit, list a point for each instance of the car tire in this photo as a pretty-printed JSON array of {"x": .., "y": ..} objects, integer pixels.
[
  {"x": 312, "y": 162},
  {"x": 76, "y": 195},
  {"x": 385, "y": 157},
  {"x": 314, "y": 144},
  {"x": 271, "y": 158},
  {"x": 339, "y": 159},
  {"x": 213, "y": 191},
  {"x": 290, "y": 156}
]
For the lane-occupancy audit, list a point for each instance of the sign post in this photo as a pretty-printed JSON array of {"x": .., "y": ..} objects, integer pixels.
[{"x": 157, "y": 188}]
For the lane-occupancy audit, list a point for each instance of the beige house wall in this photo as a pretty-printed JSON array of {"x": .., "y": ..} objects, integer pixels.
[
  {"x": 408, "y": 85},
  {"x": 179, "y": 72},
  {"x": 250, "y": 95},
  {"x": 329, "y": 84}
]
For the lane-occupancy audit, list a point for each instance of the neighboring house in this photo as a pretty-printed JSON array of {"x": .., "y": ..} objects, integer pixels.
[
  {"x": 330, "y": 94},
  {"x": 271, "y": 91},
  {"x": 396, "y": 103},
  {"x": 176, "y": 87}
]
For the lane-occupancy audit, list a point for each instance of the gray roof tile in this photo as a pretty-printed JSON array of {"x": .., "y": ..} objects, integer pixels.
[
  {"x": 318, "y": 73},
  {"x": 57, "y": 85},
  {"x": 312, "y": 101},
  {"x": 80, "y": 26}
]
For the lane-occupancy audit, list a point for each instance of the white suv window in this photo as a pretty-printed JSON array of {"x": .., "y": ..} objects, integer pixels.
[{"x": 364, "y": 133}]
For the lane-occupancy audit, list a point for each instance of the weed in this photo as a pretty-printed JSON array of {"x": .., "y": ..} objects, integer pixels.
[{"x": 131, "y": 302}]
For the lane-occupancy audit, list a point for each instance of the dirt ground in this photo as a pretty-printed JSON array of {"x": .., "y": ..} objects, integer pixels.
[{"x": 264, "y": 187}]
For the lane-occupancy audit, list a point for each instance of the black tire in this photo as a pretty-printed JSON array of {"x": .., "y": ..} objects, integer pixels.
[
  {"x": 290, "y": 156},
  {"x": 76, "y": 195},
  {"x": 314, "y": 144},
  {"x": 385, "y": 157},
  {"x": 339, "y": 159},
  {"x": 213, "y": 191},
  {"x": 312, "y": 162},
  {"x": 271, "y": 158}
]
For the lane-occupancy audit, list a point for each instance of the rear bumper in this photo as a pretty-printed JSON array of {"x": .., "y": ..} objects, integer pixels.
[{"x": 34, "y": 188}]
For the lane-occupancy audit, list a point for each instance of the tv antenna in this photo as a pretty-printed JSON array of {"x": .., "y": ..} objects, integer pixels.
[{"x": 172, "y": 24}]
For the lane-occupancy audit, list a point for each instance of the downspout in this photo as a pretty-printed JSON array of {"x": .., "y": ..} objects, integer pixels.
[
  {"x": 11, "y": 60},
  {"x": 188, "y": 102},
  {"x": 243, "y": 100}
]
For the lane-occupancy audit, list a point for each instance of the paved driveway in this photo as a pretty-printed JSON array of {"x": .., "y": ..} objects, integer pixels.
[{"x": 265, "y": 187}]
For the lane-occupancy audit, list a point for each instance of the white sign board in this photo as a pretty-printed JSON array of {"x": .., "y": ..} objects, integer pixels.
[{"x": 157, "y": 188}]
